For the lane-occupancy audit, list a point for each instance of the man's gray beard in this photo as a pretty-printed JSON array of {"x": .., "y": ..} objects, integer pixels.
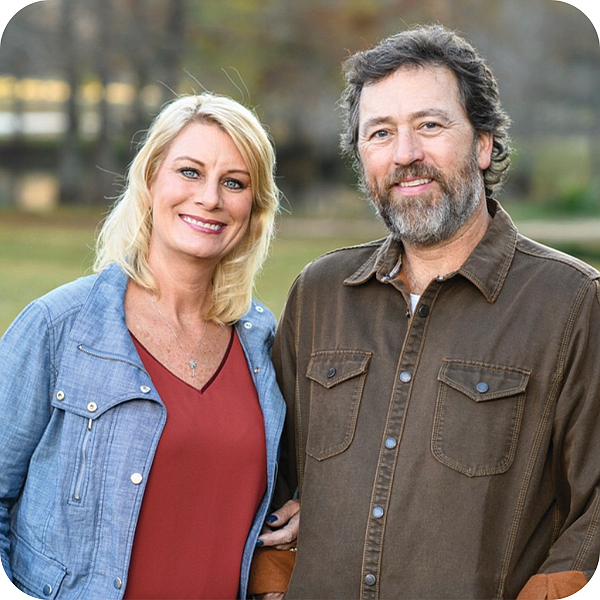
[{"x": 420, "y": 220}]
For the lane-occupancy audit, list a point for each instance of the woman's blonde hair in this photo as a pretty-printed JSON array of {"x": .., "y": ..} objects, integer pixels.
[{"x": 125, "y": 235}]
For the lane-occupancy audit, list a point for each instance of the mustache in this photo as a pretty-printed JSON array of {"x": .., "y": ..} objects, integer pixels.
[{"x": 418, "y": 171}]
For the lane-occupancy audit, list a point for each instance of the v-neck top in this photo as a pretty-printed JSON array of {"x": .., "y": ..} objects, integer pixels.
[{"x": 206, "y": 483}]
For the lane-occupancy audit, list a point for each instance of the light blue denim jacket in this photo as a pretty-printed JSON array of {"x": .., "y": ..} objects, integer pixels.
[{"x": 79, "y": 424}]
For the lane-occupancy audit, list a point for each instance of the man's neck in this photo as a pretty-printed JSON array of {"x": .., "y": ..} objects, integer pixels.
[{"x": 422, "y": 264}]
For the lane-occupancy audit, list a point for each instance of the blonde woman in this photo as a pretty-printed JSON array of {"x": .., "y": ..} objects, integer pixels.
[{"x": 140, "y": 413}]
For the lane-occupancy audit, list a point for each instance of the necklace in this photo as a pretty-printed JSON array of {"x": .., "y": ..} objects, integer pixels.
[{"x": 191, "y": 358}]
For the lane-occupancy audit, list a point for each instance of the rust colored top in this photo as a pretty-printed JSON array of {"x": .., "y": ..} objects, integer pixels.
[{"x": 206, "y": 483}]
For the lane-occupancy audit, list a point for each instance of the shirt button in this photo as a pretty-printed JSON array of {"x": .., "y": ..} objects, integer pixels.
[
  {"x": 118, "y": 583},
  {"x": 60, "y": 395},
  {"x": 92, "y": 407},
  {"x": 256, "y": 370},
  {"x": 331, "y": 372},
  {"x": 260, "y": 309},
  {"x": 370, "y": 579},
  {"x": 405, "y": 377},
  {"x": 136, "y": 478},
  {"x": 482, "y": 387},
  {"x": 378, "y": 512},
  {"x": 47, "y": 589},
  {"x": 144, "y": 389},
  {"x": 423, "y": 310},
  {"x": 248, "y": 325},
  {"x": 390, "y": 443}
]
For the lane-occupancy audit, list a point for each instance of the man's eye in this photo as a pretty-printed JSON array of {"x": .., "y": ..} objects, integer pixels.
[
  {"x": 382, "y": 133},
  {"x": 430, "y": 126}
]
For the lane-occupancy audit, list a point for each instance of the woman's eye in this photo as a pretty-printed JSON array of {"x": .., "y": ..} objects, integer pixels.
[
  {"x": 234, "y": 184},
  {"x": 189, "y": 172}
]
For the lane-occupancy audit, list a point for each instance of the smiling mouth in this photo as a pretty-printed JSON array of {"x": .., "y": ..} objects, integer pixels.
[
  {"x": 203, "y": 224},
  {"x": 414, "y": 183}
]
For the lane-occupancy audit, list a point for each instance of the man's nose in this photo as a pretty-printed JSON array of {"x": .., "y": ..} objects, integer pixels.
[{"x": 408, "y": 148}]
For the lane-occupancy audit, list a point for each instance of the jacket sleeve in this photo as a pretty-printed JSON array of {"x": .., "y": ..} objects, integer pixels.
[
  {"x": 284, "y": 360},
  {"x": 573, "y": 557},
  {"x": 26, "y": 377}
]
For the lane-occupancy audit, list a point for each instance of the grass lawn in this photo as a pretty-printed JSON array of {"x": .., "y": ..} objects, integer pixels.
[{"x": 38, "y": 253}]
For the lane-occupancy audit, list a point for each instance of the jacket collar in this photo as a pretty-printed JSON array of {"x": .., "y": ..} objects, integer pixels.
[
  {"x": 486, "y": 268},
  {"x": 100, "y": 325}
]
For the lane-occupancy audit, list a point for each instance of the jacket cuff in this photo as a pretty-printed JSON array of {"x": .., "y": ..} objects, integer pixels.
[{"x": 552, "y": 586}]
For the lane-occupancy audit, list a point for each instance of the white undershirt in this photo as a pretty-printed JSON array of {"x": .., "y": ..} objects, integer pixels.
[{"x": 414, "y": 300}]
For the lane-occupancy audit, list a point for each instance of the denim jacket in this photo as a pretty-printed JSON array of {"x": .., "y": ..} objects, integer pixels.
[{"x": 81, "y": 422}]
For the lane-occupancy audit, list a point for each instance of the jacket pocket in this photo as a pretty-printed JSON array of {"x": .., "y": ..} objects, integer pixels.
[
  {"x": 34, "y": 573},
  {"x": 478, "y": 416},
  {"x": 337, "y": 382}
]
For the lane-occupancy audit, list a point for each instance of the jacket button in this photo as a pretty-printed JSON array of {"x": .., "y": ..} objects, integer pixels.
[
  {"x": 370, "y": 579},
  {"x": 390, "y": 443},
  {"x": 92, "y": 407},
  {"x": 482, "y": 387},
  {"x": 47, "y": 589},
  {"x": 331, "y": 372},
  {"x": 60, "y": 395},
  {"x": 405, "y": 377},
  {"x": 423, "y": 310},
  {"x": 118, "y": 583},
  {"x": 136, "y": 478}
]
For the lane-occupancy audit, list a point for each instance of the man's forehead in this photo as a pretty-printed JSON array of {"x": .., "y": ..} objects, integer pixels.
[{"x": 417, "y": 89}]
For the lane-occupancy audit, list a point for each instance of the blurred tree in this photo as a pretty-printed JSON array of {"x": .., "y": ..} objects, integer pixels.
[{"x": 69, "y": 167}]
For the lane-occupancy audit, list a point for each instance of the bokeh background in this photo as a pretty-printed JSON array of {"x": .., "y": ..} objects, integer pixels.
[{"x": 80, "y": 81}]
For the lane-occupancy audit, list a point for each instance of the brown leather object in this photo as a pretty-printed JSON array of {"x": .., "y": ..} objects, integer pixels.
[
  {"x": 552, "y": 586},
  {"x": 271, "y": 570}
]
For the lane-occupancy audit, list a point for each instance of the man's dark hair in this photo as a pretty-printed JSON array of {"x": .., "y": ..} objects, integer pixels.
[{"x": 423, "y": 46}]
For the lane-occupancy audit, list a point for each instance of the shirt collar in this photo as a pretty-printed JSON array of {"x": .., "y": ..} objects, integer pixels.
[{"x": 486, "y": 268}]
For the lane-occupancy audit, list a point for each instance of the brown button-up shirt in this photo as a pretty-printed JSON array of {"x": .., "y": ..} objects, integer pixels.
[{"x": 452, "y": 452}]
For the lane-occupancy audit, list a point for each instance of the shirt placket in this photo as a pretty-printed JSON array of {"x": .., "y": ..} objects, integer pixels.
[{"x": 388, "y": 455}]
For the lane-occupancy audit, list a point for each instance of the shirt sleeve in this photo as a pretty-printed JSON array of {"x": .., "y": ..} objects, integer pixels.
[
  {"x": 25, "y": 379},
  {"x": 576, "y": 456}
]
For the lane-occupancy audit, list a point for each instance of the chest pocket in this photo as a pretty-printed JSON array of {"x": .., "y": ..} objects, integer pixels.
[
  {"x": 478, "y": 416},
  {"x": 337, "y": 382}
]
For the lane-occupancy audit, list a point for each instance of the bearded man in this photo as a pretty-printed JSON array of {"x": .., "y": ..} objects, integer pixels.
[{"x": 442, "y": 384}]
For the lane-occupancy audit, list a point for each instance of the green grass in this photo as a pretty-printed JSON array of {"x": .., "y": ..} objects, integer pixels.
[{"x": 39, "y": 253}]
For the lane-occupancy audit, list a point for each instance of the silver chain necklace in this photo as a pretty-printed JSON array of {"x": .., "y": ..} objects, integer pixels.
[{"x": 191, "y": 359}]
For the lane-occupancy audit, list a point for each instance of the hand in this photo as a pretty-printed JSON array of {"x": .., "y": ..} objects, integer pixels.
[{"x": 281, "y": 529}]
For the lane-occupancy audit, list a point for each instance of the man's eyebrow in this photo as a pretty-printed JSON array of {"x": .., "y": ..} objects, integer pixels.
[{"x": 374, "y": 122}]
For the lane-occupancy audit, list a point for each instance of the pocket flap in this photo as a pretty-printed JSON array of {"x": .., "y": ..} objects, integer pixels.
[
  {"x": 330, "y": 367},
  {"x": 482, "y": 382},
  {"x": 34, "y": 571}
]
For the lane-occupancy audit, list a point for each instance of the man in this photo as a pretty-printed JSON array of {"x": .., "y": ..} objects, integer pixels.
[{"x": 442, "y": 384}]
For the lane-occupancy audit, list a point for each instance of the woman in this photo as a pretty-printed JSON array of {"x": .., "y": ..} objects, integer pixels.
[{"x": 139, "y": 408}]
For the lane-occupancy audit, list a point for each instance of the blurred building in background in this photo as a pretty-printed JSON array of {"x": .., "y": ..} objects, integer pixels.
[{"x": 80, "y": 80}]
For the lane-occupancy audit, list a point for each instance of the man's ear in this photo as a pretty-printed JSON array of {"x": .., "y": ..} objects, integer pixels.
[{"x": 485, "y": 143}]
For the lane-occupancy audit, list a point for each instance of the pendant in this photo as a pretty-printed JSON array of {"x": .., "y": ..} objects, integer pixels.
[{"x": 193, "y": 366}]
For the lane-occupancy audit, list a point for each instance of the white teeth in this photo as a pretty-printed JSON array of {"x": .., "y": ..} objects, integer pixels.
[
  {"x": 414, "y": 183},
  {"x": 213, "y": 226}
]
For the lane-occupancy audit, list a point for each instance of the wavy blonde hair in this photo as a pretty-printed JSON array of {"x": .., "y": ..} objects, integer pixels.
[{"x": 124, "y": 237}]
